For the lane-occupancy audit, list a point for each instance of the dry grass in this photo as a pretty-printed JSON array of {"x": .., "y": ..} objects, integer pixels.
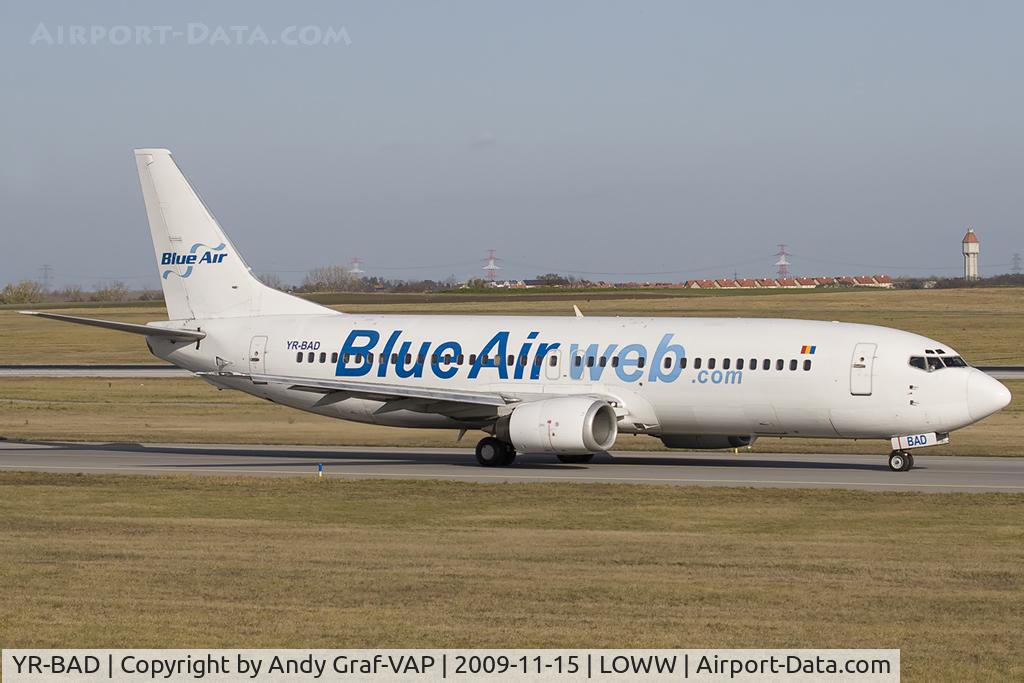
[
  {"x": 986, "y": 325},
  {"x": 191, "y": 411},
  {"x": 90, "y": 561}
]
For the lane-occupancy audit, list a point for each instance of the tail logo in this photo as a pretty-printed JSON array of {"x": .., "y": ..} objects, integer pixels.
[{"x": 191, "y": 259}]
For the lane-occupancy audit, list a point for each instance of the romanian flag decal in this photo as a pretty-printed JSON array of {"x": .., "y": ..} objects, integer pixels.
[{"x": 808, "y": 350}]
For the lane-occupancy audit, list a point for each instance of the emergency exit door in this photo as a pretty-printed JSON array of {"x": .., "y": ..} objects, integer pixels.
[
  {"x": 861, "y": 368},
  {"x": 257, "y": 353}
]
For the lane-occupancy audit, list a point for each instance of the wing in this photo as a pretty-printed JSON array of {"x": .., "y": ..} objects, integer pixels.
[{"x": 456, "y": 403}]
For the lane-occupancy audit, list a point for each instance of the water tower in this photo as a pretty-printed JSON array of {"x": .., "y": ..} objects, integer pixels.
[{"x": 971, "y": 249}]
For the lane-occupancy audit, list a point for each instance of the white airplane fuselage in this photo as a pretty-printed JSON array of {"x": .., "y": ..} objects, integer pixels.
[{"x": 857, "y": 383}]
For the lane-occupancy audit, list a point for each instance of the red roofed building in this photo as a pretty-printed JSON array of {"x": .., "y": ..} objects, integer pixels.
[
  {"x": 787, "y": 282},
  {"x": 726, "y": 284},
  {"x": 768, "y": 282},
  {"x": 747, "y": 283},
  {"x": 807, "y": 282}
]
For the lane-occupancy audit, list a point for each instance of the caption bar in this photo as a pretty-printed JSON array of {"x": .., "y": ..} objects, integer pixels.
[{"x": 141, "y": 666}]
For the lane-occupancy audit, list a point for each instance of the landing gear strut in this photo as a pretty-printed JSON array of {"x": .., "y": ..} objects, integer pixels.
[
  {"x": 491, "y": 452},
  {"x": 900, "y": 461}
]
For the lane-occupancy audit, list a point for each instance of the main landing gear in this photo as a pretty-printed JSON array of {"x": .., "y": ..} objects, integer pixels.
[
  {"x": 491, "y": 452},
  {"x": 901, "y": 461}
]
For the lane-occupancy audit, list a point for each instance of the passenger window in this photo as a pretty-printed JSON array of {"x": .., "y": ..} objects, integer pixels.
[
  {"x": 668, "y": 362},
  {"x": 538, "y": 361},
  {"x": 779, "y": 364},
  {"x": 934, "y": 363},
  {"x": 553, "y": 361},
  {"x": 462, "y": 357},
  {"x": 298, "y": 357},
  {"x": 348, "y": 357},
  {"x": 408, "y": 359},
  {"x": 421, "y": 358},
  {"x": 739, "y": 363},
  {"x": 615, "y": 361},
  {"x": 511, "y": 359},
  {"x": 323, "y": 356},
  {"x": 711, "y": 363},
  {"x": 807, "y": 364},
  {"x": 640, "y": 361},
  {"x": 602, "y": 361},
  {"x": 753, "y": 364},
  {"x": 682, "y": 362},
  {"x": 472, "y": 359},
  {"x": 369, "y": 358},
  {"x": 726, "y": 363},
  {"x": 334, "y": 357},
  {"x": 918, "y": 362},
  {"x": 766, "y": 364},
  {"x": 524, "y": 360},
  {"x": 577, "y": 361},
  {"x": 697, "y": 363},
  {"x": 310, "y": 358},
  {"x": 792, "y": 364}
]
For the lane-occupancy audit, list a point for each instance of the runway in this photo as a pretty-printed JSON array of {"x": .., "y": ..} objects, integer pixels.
[{"x": 935, "y": 473}]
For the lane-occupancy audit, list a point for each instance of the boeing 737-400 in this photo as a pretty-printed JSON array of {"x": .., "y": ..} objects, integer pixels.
[{"x": 567, "y": 386}]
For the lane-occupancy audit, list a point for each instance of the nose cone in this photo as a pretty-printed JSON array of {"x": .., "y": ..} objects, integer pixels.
[{"x": 985, "y": 395}]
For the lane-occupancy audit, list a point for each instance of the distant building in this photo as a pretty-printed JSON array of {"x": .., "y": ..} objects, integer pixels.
[{"x": 971, "y": 249}]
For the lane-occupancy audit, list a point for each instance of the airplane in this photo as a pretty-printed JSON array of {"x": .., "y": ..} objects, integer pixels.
[{"x": 565, "y": 386}]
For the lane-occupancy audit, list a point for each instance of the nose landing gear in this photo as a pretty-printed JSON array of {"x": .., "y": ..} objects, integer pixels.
[{"x": 901, "y": 461}]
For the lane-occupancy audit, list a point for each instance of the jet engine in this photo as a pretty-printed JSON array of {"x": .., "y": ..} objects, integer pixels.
[
  {"x": 567, "y": 426},
  {"x": 706, "y": 441}
]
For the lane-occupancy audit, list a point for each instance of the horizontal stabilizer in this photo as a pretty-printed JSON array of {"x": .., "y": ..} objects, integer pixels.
[{"x": 148, "y": 330}]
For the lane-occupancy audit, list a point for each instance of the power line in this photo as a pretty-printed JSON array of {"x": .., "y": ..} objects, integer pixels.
[{"x": 45, "y": 274}]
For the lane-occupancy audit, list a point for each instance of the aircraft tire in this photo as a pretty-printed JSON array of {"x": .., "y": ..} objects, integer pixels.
[
  {"x": 491, "y": 452},
  {"x": 576, "y": 458},
  {"x": 900, "y": 461}
]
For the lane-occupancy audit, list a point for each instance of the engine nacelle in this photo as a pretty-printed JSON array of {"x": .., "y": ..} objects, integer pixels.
[
  {"x": 572, "y": 425},
  {"x": 706, "y": 441}
]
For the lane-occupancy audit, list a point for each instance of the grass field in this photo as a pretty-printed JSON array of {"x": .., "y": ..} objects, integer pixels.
[
  {"x": 92, "y": 561},
  {"x": 985, "y": 325},
  {"x": 191, "y": 411}
]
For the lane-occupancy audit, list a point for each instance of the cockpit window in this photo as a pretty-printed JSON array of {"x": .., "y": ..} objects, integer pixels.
[
  {"x": 954, "y": 362},
  {"x": 934, "y": 363},
  {"x": 918, "y": 362}
]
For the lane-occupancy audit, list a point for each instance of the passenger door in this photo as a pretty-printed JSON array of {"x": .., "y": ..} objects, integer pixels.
[{"x": 861, "y": 366}]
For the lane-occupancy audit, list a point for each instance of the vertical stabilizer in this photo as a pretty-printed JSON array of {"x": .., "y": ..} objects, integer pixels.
[{"x": 202, "y": 274}]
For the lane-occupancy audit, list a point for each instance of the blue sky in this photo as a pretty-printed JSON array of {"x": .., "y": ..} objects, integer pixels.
[{"x": 626, "y": 140}]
